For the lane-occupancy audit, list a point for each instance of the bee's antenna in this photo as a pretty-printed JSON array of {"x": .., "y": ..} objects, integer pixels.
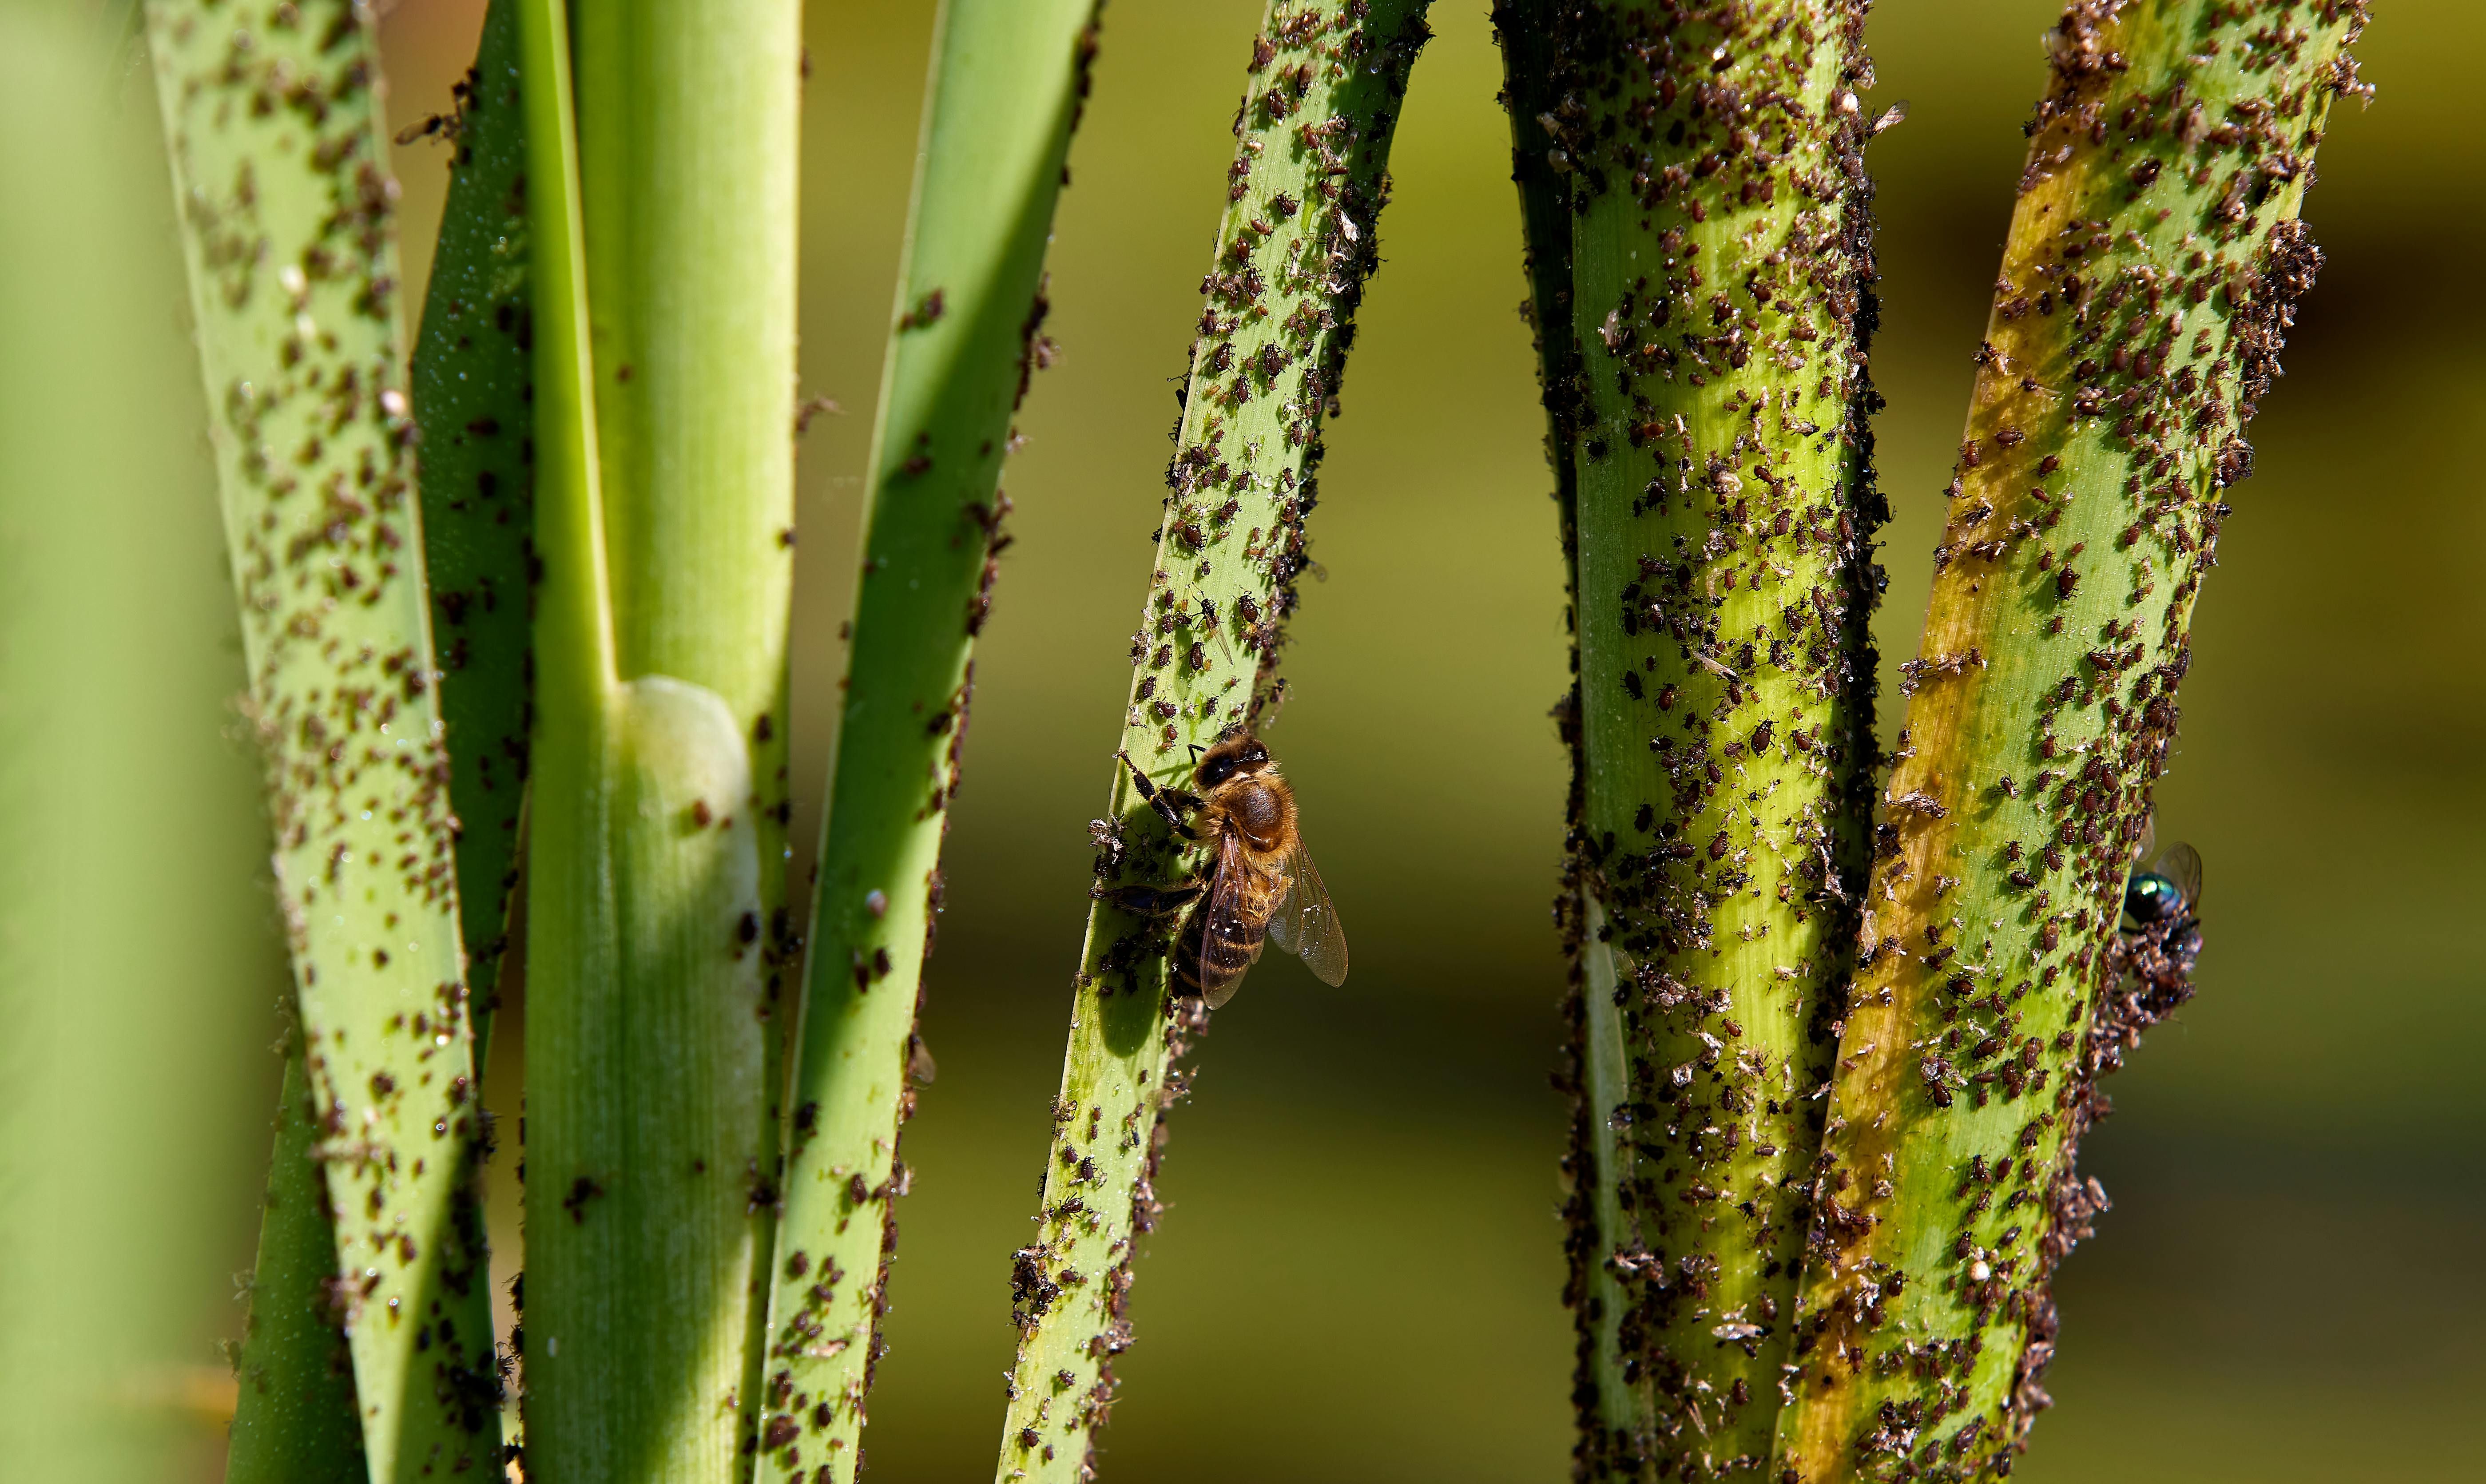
[{"x": 1194, "y": 749}]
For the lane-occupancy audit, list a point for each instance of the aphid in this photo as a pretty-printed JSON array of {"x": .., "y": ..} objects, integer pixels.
[{"x": 1263, "y": 886}]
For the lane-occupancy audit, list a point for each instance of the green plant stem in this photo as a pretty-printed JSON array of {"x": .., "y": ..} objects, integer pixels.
[
  {"x": 472, "y": 392},
  {"x": 1721, "y": 281},
  {"x": 656, "y": 943},
  {"x": 273, "y": 128},
  {"x": 1007, "y": 84},
  {"x": 2153, "y": 264},
  {"x": 1305, "y": 194}
]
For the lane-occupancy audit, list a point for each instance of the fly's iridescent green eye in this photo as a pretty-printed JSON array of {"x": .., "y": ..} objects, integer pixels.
[
  {"x": 2151, "y": 898},
  {"x": 2169, "y": 889}
]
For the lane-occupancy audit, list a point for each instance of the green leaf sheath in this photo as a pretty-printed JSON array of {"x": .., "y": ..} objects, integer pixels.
[
  {"x": 1304, "y": 193},
  {"x": 663, "y": 234},
  {"x": 473, "y": 383},
  {"x": 273, "y": 128},
  {"x": 294, "y": 1410},
  {"x": 1721, "y": 302},
  {"x": 1008, "y": 79},
  {"x": 688, "y": 121},
  {"x": 2153, "y": 265}
]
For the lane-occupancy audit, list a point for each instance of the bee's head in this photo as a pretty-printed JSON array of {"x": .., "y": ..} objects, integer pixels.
[{"x": 1238, "y": 754}]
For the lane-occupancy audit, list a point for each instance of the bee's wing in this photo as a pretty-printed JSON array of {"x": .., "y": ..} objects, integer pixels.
[
  {"x": 2182, "y": 865},
  {"x": 2148, "y": 841},
  {"x": 1231, "y": 897},
  {"x": 1304, "y": 923}
]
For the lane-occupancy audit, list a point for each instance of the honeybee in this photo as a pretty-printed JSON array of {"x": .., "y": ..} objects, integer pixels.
[{"x": 1262, "y": 888}]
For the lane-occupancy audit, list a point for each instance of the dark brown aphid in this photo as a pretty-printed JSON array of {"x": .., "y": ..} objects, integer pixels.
[{"x": 1264, "y": 887}]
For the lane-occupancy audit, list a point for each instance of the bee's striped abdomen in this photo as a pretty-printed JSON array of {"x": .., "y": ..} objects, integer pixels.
[{"x": 1218, "y": 945}]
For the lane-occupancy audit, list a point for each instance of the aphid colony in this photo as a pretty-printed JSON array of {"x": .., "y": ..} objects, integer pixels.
[
  {"x": 2013, "y": 955},
  {"x": 1304, "y": 193},
  {"x": 1707, "y": 385}
]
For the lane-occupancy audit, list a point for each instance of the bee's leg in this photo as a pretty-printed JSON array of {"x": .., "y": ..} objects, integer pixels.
[
  {"x": 1169, "y": 803},
  {"x": 1151, "y": 901}
]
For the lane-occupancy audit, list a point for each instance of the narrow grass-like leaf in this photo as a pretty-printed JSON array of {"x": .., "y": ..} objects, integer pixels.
[
  {"x": 1528, "y": 35},
  {"x": 473, "y": 389},
  {"x": 294, "y": 1417},
  {"x": 1594, "y": 1067},
  {"x": 272, "y": 122},
  {"x": 2154, "y": 262},
  {"x": 1304, "y": 193},
  {"x": 1008, "y": 79},
  {"x": 570, "y": 949},
  {"x": 135, "y": 962},
  {"x": 1531, "y": 93},
  {"x": 662, "y": 220},
  {"x": 1720, "y": 302},
  {"x": 1592, "y": 1073}
]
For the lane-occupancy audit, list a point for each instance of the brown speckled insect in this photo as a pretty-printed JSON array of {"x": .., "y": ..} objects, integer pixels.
[{"x": 1264, "y": 887}]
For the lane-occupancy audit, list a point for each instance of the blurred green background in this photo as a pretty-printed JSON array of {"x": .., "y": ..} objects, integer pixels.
[{"x": 2288, "y": 1287}]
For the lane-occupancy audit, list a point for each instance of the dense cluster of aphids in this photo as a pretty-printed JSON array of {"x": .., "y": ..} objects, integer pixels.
[
  {"x": 1305, "y": 194},
  {"x": 1299, "y": 239},
  {"x": 295, "y": 286},
  {"x": 1706, "y": 381},
  {"x": 1303, "y": 200},
  {"x": 2153, "y": 267}
]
